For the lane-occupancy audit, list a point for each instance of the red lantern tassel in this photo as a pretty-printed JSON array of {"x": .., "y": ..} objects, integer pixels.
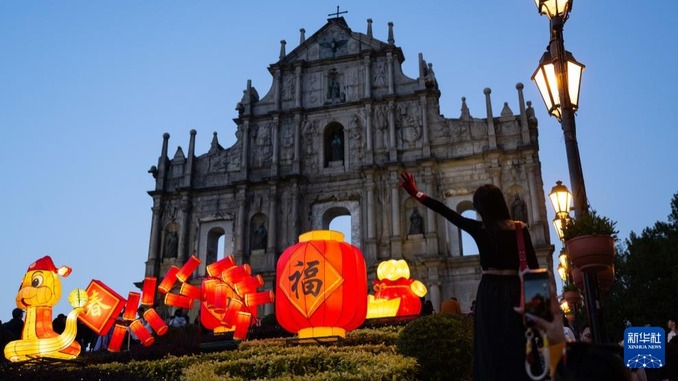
[
  {"x": 148, "y": 291},
  {"x": 249, "y": 284},
  {"x": 179, "y": 301},
  {"x": 117, "y": 337},
  {"x": 188, "y": 268},
  {"x": 242, "y": 325},
  {"x": 155, "y": 321},
  {"x": 236, "y": 274},
  {"x": 215, "y": 269},
  {"x": 230, "y": 317},
  {"x": 190, "y": 290},
  {"x": 141, "y": 333},
  {"x": 169, "y": 280},
  {"x": 259, "y": 298}
]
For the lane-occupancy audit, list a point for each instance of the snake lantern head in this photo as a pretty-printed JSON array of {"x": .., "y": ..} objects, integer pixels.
[{"x": 41, "y": 286}]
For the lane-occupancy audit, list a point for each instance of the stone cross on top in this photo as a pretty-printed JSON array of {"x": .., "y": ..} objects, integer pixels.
[{"x": 337, "y": 13}]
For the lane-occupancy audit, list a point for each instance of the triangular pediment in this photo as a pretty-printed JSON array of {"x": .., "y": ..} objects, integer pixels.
[{"x": 335, "y": 39}]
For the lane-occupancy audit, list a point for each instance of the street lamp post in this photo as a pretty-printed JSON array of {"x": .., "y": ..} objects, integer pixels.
[{"x": 558, "y": 78}]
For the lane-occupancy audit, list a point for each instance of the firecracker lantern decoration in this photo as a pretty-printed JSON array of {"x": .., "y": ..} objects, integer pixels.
[
  {"x": 395, "y": 293},
  {"x": 228, "y": 295},
  {"x": 320, "y": 286},
  {"x": 39, "y": 292}
]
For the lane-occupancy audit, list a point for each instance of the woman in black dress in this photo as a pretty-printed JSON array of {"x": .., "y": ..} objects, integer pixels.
[{"x": 499, "y": 335}]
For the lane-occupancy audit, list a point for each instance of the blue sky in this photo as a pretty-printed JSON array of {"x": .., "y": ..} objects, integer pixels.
[{"x": 88, "y": 88}]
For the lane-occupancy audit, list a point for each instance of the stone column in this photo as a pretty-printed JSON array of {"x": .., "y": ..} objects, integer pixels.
[
  {"x": 241, "y": 224},
  {"x": 368, "y": 133},
  {"x": 272, "y": 220},
  {"x": 534, "y": 199},
  {"x": 491, "y": 137},
  {"x": 244, "y": 160},
  {"x": 367, "y": 63},
  {"x": 389, "y": 66},
  {"x": 297, "y": 144},
  {"x": 276, "y": 146},
  {"x": 153, "y": 262},
  {"x": 393, "y": 152},
  {"x": 434, "y": 295},
  {"x": 297, "y": 89},
  {"x": 184, "y": 239},
  {"x": 188, "y": 171},
  {"x": 294, "y": 199},
  {"x": 424, "y": 121},
  {"x": 276, "y": 89},
  {"x": 524, "y": 128},
  {"x": 395, "y": 219}
]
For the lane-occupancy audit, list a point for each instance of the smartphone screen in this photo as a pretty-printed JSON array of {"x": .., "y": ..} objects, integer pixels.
[{"x": 537, "y": 295}]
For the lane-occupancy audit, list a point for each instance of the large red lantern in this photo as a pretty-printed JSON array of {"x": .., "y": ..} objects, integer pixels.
[{"x": 321, "y": 286}]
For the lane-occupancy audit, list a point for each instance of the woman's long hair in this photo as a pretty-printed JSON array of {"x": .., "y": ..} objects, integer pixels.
[{"x": 489, "y": 202}]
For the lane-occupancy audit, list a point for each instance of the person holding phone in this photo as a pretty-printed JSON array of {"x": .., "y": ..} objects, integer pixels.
[{"x": 499, "y": 334}]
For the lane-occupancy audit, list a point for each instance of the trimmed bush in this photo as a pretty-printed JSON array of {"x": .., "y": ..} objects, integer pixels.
[{"x": 442, "y": 345}]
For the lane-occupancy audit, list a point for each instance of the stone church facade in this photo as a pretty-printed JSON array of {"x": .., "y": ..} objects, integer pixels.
[{"x": 330, "y": 138}]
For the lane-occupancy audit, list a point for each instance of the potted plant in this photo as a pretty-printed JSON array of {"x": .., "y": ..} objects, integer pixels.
[
  {"x": 589, "y": 240},
  {"x": 571, "y": 293}
]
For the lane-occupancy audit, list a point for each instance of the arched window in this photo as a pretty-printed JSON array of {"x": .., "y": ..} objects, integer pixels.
[
  {"x": 342, "y": 224},
  {"x": 334, "y": 142},
  {"x": 215, "y": 245},
  {"x": 468, "y": 245}
]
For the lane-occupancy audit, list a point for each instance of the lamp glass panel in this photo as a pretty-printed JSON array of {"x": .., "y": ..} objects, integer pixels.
[
  {"x": 562, "y": 258},
  {"x": 574, "y": 72},
  {"x": 560, "y": 199},
  {"x": 558, "y": 226},
  {"x": 554, "y": 7},
  {"x": 562, "y": 272},
  {"x": 547, "y": 83}
]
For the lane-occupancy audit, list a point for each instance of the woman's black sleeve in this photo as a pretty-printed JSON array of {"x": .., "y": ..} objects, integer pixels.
[{"x": 462, "y": 222}]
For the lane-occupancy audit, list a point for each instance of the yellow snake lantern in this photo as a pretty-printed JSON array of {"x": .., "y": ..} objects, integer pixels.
[{"x": 40, "y": 290}]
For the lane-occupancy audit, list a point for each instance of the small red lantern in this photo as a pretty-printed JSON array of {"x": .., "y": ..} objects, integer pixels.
[{"x": 321, "y": 284}]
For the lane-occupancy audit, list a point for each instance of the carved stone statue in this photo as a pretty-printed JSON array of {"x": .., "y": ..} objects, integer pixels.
[
  {"x": 519, "y": 209},
  {"x": 416, "y": 223},
  {"x": 260, "y": 238},
  {"x": 171, "y": 245},
  {"x": 336, "y": 148}
]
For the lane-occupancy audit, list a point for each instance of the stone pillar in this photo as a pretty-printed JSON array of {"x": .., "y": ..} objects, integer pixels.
[
  {"x": 426, "y": 152},
  {"x": 244, "y": 160},
  {"x": 276, "y": 89},
  {"x": 434, "y": 295},
  {"x": 294, "y": 199},
  {"x": 367, "y": 63},
  {"x": 241, "y": 225},
  {"x": 491, "y": 137},
  {"x": 368, "y": 133},
  {"x": 297, "y": 144},
  {"x": 396, "y": 244},
  {"x": 153, "y": 262},
  {"x": 188, "y": 171},
  {"x": 184, "y": 239},
  {"x": 391, "y": 79},
  {"x": 393, "y": 152},
  {"x": 297, "y": 89},
  {"x": 162, "y": 163},
  {"x": 275, "y": 140},
  {"x": 524, "y": 128},
  {"x": 534, "y": 199},
  {"x": 272, "y": 220}
]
